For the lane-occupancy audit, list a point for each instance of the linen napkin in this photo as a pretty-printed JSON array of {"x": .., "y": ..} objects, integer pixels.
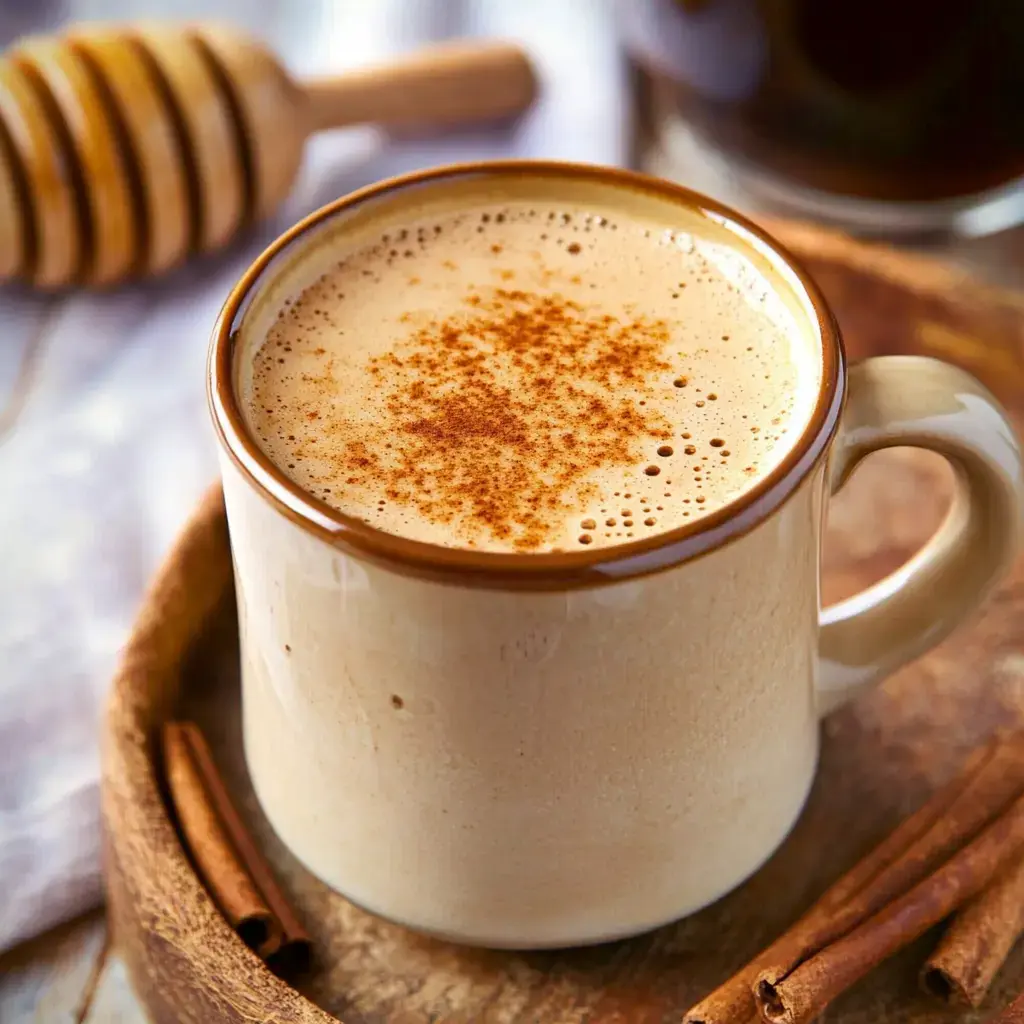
[{"x": 105, "y": 444}]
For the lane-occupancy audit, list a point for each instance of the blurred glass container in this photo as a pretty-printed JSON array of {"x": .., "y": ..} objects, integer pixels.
[{"x": 897, "y": 118}]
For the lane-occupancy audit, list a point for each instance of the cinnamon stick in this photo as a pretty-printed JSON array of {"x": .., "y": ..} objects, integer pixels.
[
  {"x": 977, "y": 942},
  {"x": 1013, "y": 1014},
  {"x": 733, "y": 1001},
  {"x": 231, "y": 866},
  {"x": 997, "y": 780},
  {"x": 808, "y": 990}
]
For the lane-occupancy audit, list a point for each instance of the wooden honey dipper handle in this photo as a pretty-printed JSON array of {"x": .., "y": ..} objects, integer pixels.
[
  {"x": 443, "y": 85},
  {"x": 124, "y": 149}
]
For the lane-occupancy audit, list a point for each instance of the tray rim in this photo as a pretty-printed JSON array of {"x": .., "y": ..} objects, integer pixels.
[{"x": 171, "y": 934}]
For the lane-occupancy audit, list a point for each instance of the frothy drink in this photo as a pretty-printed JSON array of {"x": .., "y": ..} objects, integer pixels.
[
  {"x": 524, "y": 376},
  {"x": 506, "y": 366}
]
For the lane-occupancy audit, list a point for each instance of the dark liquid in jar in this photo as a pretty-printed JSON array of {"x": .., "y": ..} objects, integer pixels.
[{"x": 885, "y": 99}]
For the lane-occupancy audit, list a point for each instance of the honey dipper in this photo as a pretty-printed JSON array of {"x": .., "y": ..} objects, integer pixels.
[{"x": 124, "y": 149}]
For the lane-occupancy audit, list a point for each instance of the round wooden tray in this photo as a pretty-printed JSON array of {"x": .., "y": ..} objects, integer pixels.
[{"x": 881, "y": 756}]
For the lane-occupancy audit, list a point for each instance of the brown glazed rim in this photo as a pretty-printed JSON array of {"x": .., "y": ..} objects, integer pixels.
[{"x": 512, "y": 571}]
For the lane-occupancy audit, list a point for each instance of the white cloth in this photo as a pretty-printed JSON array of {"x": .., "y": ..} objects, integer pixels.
[{"x": 104, "y": 439}]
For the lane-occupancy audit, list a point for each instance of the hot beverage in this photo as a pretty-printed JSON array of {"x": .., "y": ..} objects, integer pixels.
[{"x": 533, "y": 377}]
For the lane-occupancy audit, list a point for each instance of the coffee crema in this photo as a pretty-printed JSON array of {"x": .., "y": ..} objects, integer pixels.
[{"x": 527, "y": 377}]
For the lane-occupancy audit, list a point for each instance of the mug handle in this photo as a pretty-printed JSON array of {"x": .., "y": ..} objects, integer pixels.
[{"x": 924, "y": 403}]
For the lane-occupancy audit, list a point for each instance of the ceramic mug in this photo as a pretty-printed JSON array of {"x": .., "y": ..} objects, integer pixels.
[{"x": 551, "y": 749}]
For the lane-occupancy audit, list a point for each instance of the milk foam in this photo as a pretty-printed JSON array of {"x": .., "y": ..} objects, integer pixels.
[{"x": 522, "y": 376}]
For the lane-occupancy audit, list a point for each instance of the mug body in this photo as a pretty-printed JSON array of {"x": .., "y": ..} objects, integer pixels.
[
  {"x": 527, "y": 750},
  {"x": 525, "y": 769}
]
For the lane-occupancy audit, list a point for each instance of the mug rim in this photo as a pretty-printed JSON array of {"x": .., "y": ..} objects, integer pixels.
[{"x": 513, "y": 570}]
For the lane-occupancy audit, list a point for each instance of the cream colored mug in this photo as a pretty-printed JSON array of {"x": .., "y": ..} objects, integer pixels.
[{"x": 552, "y": 749}]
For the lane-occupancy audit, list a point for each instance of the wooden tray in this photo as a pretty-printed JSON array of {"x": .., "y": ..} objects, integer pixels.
[{"x": 881, "y": 756}]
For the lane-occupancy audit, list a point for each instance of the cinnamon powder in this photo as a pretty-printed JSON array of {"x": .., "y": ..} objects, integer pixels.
[{"x": 498, "y": 416}]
